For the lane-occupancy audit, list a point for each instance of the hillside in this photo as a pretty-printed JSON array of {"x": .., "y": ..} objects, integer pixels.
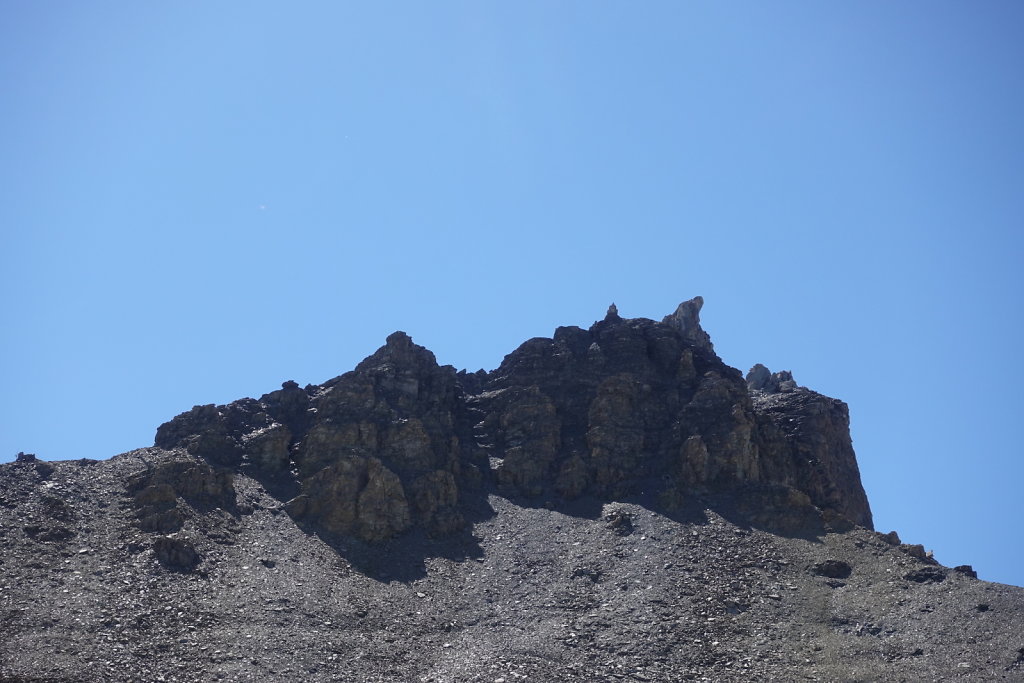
[{"x": 610, "y": 504}]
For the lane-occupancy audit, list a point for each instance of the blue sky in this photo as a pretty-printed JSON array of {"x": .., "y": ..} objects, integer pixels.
[{"x": 201, "y": 200}]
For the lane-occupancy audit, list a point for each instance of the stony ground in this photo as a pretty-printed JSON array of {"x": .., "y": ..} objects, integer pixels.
[{"x": 597, "y": 592}]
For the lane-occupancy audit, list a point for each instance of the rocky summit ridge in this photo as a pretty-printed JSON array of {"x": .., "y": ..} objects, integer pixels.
[
  {"x": 611, "y": 503},
  {"x": 628, "y": 407}
]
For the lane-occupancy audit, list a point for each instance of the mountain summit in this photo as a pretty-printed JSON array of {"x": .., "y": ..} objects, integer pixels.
[
  {"x": 629, "y": 407},
  {"x": 613, "y": 503}
]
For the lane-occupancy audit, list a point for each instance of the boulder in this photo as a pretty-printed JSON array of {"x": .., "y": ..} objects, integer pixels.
[
  {"x": 175, "y": 553},
  {"x": 926, "y": 575},
  {"x": 967, "y": 570},
  {"x": 833, "y": 569}
]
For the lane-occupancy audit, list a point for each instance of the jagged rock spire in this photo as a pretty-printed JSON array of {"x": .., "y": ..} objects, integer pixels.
[
  {"x": 757, "y": 377},
  {"x": 760, "y": 378},
  {"x": 686, "y": 319}
]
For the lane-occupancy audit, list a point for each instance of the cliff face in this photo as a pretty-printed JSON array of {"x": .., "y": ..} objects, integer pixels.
[{"x": 630, "y": 407}]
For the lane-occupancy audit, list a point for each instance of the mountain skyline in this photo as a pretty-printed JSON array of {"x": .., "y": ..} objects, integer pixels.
[{"x": 201, "y": 201}]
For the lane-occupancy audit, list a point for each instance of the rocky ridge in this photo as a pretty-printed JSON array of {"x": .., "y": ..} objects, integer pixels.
[
  {"x": 629, "y": 406},
  {"x": 608, "y": 504}
]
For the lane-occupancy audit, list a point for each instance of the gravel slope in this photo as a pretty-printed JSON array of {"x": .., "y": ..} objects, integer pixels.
[{"x": 599, "y": 591}]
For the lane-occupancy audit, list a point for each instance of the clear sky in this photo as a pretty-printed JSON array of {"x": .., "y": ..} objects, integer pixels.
[{"x": 200, "y": 200}]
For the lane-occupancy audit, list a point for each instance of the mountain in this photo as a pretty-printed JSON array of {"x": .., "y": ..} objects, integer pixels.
[{"x": 610, "y": 504}]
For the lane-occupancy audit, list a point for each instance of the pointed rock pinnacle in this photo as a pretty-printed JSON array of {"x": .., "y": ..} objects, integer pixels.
[{"x": 686, "y": 319}]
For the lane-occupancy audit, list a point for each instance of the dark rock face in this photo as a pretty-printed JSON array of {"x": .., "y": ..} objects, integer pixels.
[
  {"x": 604, "y": 411},
  {"x": 926, "y": 575},
  {"x": 628, "y": 407},
  {"x": 966, "y": 570},
  {"x": 804, "y": 442},
  {"x": 375, "y": 451},
  {"x": 157, "y": 492}
]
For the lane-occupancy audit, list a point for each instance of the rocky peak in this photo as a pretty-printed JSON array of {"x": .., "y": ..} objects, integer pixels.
[
  {"x": 398, "y": 340},
  {"x": 686, "y": 319},
  {"x": 399, "y": 354},
  {"x": 628, "y": 407},
  {"x": 761, "y": 379},
  {"x": 407, "y": 373}
]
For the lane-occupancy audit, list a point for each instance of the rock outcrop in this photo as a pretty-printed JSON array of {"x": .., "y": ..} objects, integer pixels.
[
  {"x": 162, "y": 495},
  {"x": 762, "y": 380},
  {"x": 803, "y": 439},
  {"x": 686, "y": 320},
  {"x": 628, "y": 407},
  {"x": 375, "y": 451}
]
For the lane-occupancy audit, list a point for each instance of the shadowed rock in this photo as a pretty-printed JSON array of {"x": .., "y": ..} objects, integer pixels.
[
  {"x": 833, "y": 569},
  {"x": 175, "y": 553},
  {"x": 628, "y": 406}
]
